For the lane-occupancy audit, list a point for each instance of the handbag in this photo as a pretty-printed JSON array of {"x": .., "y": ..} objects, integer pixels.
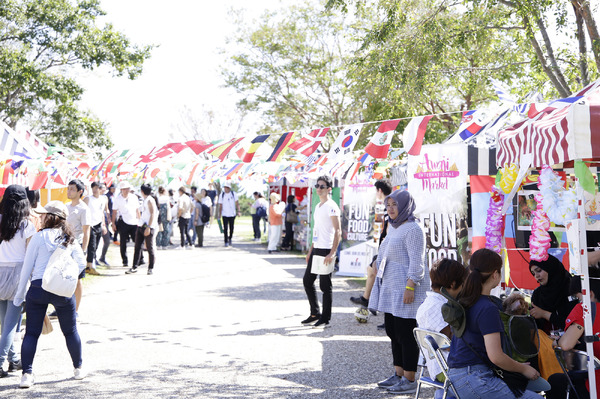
[
  {"x": 291, "y": 217},
  {"x": 61, "y": 274}
]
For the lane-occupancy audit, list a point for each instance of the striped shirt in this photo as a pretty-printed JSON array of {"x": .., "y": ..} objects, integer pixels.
[{"x": 404, "y": 252}]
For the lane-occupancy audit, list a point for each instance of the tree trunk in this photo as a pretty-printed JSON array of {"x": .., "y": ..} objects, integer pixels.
[
  {"x": 592, "y": 28},
  {"x": 557, "y": 71},
  {"x": 583, "y": 66}
]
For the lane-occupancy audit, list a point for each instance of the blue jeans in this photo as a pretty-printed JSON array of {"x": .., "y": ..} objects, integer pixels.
[
  {"x": 479, "y": 381},
  {"x": 9, "y": 317},
  {"x": 37, "y": 301},
  {"x": 192, "y": 227}
]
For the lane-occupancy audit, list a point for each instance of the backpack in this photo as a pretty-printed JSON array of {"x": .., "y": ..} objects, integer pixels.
[
  {"x": 205, "y": 217},
  {"x": 261, "y": 211},
  {"x": 516, "y": 342}
]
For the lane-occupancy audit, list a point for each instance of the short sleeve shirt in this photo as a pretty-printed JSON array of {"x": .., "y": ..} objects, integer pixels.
[
  {"x": 483, "y": 318},
  {"x": 79, "y": 216},
  {"x": 13, "y": 250},
  {"x": 97, "y": 207},
  {"x": 127, "y": 208},
  {"x": 185, "y": 204},
  {"x": 576, "y": 316},
  {"x": 323, "y": 232},
  {"x": 429, "y": 317},
  {"x": 228, "y": 201}
]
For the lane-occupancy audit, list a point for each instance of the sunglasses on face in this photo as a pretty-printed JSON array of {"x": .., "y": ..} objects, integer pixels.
[{"x": 321, "y": 186}]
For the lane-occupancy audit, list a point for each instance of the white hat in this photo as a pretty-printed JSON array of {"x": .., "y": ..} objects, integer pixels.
[
  {"x": 56, "y": 208},
  {"x": 226, "y": 184},
  {"x": 124, "y": 184}
]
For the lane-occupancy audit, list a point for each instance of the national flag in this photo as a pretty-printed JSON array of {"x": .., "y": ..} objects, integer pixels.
[
  {"x": 379, "y": 144},
  {"x": 220, "y": 151},
  {"x": 502, "y": 92},
  {"x": 414, "y": 133},
  {"x": 345, "y": 142},
  {"x": 473, "y": 122},
  {"x": 254, "y": 145},
  {"x": 198, "y": 146},
  {"x": 233, "y": 170},
  {"x": 282, "y": 144},
  {"x": 309, "y": 144}
]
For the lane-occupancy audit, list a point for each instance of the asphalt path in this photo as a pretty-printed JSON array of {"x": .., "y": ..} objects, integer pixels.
[{"x": 212, "y": 322}]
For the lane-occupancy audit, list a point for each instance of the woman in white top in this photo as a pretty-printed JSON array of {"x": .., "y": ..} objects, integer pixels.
[
  {"x": 164, "y": 212},
  {"x": 146, "y": 231},
  {"x": 15, "y": 232}
]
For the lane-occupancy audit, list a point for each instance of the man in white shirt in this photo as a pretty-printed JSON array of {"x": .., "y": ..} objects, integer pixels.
[
  {"x": 79, "y": 221},
  {"x": 326, "y": 238},
  {"x": 229, "y": 208},
  {"x": 127, "y": 205},
  {"x": 98, "y": 206},
  {"x": 184, "y": 213}
]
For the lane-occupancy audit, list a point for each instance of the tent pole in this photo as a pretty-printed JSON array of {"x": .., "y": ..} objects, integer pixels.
[{"x": 585, "y": 285}]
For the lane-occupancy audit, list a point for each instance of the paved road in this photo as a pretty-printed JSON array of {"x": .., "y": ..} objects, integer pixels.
[{"x": 212, "y": 322}]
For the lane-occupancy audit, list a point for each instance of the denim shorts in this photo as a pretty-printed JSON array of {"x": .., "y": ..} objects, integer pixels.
[{"x": 479, "y": 382}]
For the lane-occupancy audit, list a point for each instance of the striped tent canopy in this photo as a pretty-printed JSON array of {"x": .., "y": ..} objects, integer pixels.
[{"x": 565, "y": 130}]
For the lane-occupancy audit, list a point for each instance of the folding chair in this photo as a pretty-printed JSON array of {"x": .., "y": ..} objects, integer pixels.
[
  {"x": 431, "y": 344},
  {"x": 574, "y": 364}
]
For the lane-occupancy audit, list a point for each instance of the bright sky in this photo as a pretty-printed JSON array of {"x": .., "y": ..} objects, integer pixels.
[{"x": 183, "y": 70}]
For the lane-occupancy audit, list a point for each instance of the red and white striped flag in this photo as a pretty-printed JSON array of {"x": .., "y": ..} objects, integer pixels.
[
  {"x": 414, "y": 133},
  {"x": 379, "y": 144},
  {"x": 309, "y": 143}
]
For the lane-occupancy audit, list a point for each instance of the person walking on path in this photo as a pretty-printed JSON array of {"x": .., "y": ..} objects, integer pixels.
[
  {"x": 229, "y": 208},
  {"x": 290, "y": 209},
  {"x": 79, "y": 221},
  {"x": 212, "y": 194},
  {"x": 15, "y": 232},
  {"x": 326, "y": 238},
  {"x": 146, "y": 230},
  {"x": 258, "y": 209},
  {"x": 400, "y": 287},
  {"x": 164, "y": 212},
  {"x": 184, "y": 212},
  {"x": 191, "y": 226},
  {"x": 98, "y": 206},
  {"x": 107, "y": 235},
  {"x": 127, "y": 206},
  {"x": 201, "y": 215},
  {"x": 275, "y": 222},
  {"x": 55, "y": 231}
]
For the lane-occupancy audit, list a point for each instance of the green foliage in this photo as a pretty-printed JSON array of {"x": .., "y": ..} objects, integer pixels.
[
  {"x": 292, "y": 67},
  {"x": 41, "y": 43}
]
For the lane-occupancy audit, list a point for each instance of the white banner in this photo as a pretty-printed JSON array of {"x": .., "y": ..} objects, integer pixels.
[{"x": 437, "y": 179}]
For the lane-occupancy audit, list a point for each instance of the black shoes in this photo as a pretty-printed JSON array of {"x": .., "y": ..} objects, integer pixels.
[
  {"x": 3, "y": 373},
  {"x": 381, "y": 326},
  {"x": 359, "y": 300},
  {"x": 311, "y": 319},
  {"x": 15, "y": 366},
  {"x": 150, "y": 272},
  {"x": 131, "y": 270},
  {"x": 321, "y": 324}
]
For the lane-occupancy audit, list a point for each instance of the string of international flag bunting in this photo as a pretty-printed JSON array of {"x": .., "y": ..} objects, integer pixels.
[{"x": 293, "y": 155}]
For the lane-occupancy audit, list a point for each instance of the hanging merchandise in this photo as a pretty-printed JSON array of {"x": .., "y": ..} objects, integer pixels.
[
  {"x": 494, "y": 224},
  {"x": 539, "y": 241},
  {"x": 508, "y": 178},
  {"x": 559, "y": 204}
]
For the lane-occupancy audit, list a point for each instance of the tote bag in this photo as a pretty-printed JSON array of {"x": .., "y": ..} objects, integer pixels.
[{"x": 60, "y": 276}]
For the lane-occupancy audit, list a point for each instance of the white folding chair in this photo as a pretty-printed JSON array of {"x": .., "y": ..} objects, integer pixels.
[{"x": 431, "y": 344}]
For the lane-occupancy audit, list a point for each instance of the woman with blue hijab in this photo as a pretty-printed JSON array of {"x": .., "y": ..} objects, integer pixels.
[{"x": 400, "y": 286}]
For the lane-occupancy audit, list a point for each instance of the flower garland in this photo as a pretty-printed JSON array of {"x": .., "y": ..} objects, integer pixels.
[
  {"x": 494, "y": 224},
  {"x": 539, "y": 241}
]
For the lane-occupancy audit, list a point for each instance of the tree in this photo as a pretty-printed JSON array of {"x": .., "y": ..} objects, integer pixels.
[
  {"x": 42, "y": 42},
  {"x": 292, "y": 68}
]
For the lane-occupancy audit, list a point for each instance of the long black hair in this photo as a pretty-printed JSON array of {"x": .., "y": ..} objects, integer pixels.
[
  {"x": 15, "y": 210},
  {"x": 484, "y": 262}
]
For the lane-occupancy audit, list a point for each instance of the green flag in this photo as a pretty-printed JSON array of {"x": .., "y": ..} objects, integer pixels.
[{"x": 586, "y": 179}]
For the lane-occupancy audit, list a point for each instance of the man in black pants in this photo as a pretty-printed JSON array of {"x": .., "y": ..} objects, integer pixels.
[
  {"x": 228, "y": 205},
  {"x": 326, "y": 238},
  {"x": 127, "y": 205}
]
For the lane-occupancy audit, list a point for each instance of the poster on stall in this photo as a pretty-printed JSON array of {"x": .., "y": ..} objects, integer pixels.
[
  {"x": 357, "y": 227},
  {"x": 437, "y": 180}
]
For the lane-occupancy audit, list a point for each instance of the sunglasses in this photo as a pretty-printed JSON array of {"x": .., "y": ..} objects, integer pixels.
[{"x": 321, "y": 186}]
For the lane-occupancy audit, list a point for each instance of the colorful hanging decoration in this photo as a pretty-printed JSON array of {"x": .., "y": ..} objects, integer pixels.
[
  {"x": 539, "y": 241},
  {"x": 494, "y": 225},
  {"x": 508, "y": 177},
  {"x": 559, "y": 204}
]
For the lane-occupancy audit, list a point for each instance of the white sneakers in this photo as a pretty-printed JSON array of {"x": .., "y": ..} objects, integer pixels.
[
  {"x": 79, "y": 374},
  {"x": 27, "y": 381}
]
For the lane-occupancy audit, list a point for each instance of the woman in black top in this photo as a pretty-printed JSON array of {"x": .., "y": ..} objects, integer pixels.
[
  {"x": 288, "y": 240},
  {"x": 550, "y": 301}
]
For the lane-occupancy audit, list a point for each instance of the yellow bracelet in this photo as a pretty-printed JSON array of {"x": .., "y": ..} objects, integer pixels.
[{"x": 409, "y": 288}]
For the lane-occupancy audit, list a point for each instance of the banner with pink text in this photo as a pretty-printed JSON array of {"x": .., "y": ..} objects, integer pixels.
[{"x": 437, "y": 179}]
